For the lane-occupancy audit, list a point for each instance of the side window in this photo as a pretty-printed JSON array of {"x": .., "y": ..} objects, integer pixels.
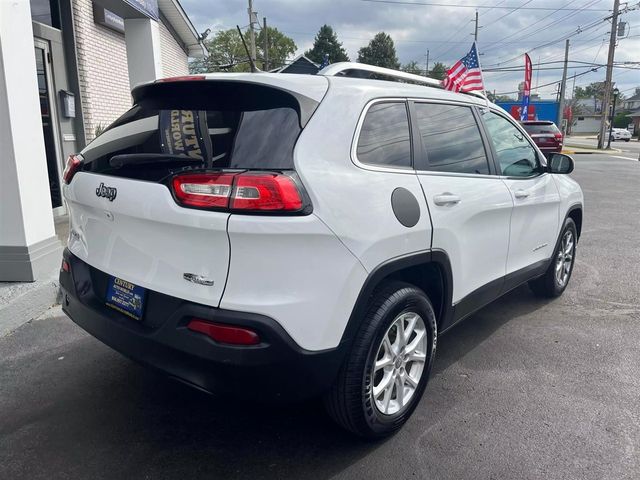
[
  {"x": 516, "y": 156},
  {"x": 384, "y": 137},
  {"x": 451, "y": 138}
]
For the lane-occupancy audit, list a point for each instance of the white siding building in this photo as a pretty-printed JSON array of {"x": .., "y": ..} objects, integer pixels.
[{"x": 66, "y": 69}]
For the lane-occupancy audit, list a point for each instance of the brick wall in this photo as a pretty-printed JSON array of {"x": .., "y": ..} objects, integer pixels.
[
  {"x": 174, "y": 58},
  {"x": 103, "y": 71}
]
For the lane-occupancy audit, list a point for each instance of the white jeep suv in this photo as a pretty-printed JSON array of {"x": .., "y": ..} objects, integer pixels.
[{"x": 278, "y": 236}]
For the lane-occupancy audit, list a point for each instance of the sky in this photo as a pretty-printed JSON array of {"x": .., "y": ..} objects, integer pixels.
[{"x": 508, "y": 29}]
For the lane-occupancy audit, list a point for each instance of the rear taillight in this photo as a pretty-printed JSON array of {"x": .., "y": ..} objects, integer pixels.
[
  {"x": 205, "y": 190},
  {"x": 558, "y": 136},
  {"x": 265, "y": 191},
  {"x": 73, "y": 165},
  {"x": 228, "y": 334},
  {"x": 240, "y": 192}
]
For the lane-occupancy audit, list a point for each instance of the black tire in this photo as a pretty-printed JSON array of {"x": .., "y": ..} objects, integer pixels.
[
  {"x": 349, "y": 402},
  {"x": 627, "y": 139},
  {"x": 548, "y": 284}
]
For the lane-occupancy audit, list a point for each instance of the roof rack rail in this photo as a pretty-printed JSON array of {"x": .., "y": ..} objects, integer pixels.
[{"x": 341, "y": 68}]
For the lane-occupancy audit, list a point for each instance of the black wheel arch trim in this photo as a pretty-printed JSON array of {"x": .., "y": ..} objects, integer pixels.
[
  {"x": 573, "y": 208},
  {"x": 391, "y": 266}
]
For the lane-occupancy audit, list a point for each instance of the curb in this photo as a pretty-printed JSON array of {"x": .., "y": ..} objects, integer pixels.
[
  {"x": 590, "y": 151},
  {"x": 28, "y": 306}
]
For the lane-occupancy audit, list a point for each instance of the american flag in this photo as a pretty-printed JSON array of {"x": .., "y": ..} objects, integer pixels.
[{"x": 465, "y": 75}]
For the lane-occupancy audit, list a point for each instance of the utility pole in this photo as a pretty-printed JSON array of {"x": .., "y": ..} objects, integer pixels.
[
  {"x": 252, "y": 34},
  {"x": 426, "y": 69},
  {"x": 563, "y": 85},
  {"x": 607, "y": 83},
  {"x": 265, "y": 47},
  {"x": 475, "y": 34},
  {"x": 537, "y": 74}
]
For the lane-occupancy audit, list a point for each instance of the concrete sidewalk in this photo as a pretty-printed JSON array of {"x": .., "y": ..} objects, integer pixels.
[{"x": 21, "y": 302}]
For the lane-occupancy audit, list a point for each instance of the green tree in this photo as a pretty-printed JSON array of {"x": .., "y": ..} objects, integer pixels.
[
  {"x": 281, "y": 47},
  {"x": 227, "y": 53},
  {"x": 326, "y": 43},
  {"x": 380, "y": 52},
  {"x": 412, "y": 67},
  {"x": 594, "y": 90},
  {"x": 621, "y": 120},
  {"x": 438, "y": 71},
  {"x": 580, "y": 93}
]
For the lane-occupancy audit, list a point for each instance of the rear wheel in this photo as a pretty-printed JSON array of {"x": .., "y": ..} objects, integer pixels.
[
  {"x": 387, "y": 369},
  {"x": 557, "y": 276}
]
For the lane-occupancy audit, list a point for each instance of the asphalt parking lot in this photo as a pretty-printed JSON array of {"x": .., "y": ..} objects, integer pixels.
[{"x": 525, "y": 389}]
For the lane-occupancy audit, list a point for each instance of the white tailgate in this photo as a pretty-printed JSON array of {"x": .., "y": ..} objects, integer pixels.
[{"x": 144, "y": 237}]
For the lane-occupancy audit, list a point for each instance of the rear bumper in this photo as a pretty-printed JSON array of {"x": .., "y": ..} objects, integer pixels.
[
  {"x": 275, "y": 369},
  {"x": 551, "y": 148}
]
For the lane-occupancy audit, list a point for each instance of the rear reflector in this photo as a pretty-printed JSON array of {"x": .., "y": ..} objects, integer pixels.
[
  {"x": 70, "y": 169},
  {"x": 243, "y": 192},
  {"x": 224, "y": 333},
  {"x": 65, "y": 267}
]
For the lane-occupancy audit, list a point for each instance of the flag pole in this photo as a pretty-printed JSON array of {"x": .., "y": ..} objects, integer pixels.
[{"x": 484, "y": 85}]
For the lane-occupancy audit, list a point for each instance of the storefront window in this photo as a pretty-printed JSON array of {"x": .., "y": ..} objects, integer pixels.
[{"x": 45, "y": 11}]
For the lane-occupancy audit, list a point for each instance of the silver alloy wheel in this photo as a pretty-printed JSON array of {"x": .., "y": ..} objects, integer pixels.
[
  {"x": 564, "y": 259},
  {"x": 399, "y": 363}
]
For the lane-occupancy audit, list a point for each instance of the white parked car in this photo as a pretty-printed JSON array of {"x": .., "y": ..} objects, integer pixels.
[
  {"x": 279, "y": 236},
  {"x": 618, "y": 134}
]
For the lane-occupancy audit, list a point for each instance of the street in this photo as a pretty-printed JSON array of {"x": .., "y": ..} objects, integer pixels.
[{"x": 526, "y": 388}]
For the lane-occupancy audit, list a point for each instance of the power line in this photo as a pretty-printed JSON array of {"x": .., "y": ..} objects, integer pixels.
[
  {"x": 544, "y": 27},
  {"x": 578, "y": 31},
  {"x": 457, "y": 5},
  {"x": 521, "y": 7},
  {"x": 552, "y": 42},
  {"x": 552, "y": 83},
  {"x": 455, "y": 31},
  {"x": 522, "y": 69}
]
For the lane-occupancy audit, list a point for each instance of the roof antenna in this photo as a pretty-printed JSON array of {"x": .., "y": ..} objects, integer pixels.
[{"x": 246, "y": 49}]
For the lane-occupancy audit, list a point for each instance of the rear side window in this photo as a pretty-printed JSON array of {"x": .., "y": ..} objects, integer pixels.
[
  {"x": 451, "y": 138},
  {"x": 211, "y": 125},
  {"x": 384, "y": 137}
]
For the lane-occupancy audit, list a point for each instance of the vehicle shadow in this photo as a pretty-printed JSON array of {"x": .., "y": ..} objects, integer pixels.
[
  {"x": 471, "y": 332},
  {"x": 98, "y": 415},
  {"x": 200, "y": 433}
]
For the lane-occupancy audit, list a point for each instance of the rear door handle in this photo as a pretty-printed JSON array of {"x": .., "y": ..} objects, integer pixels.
[
  {"x": 521, "y": 193},
  {"x": 446, "y": 199}
]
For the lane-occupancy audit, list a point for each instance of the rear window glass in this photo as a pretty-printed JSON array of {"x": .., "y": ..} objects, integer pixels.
[
  {"x": 221, "y": 126},
  {"x": 538, "y": 128}
]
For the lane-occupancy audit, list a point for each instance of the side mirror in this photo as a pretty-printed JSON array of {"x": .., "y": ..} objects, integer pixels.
[{"x": 560, "y": 163}]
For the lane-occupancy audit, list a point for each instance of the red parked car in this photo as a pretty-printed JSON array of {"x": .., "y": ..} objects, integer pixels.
[{"x": 545, "y": 134}]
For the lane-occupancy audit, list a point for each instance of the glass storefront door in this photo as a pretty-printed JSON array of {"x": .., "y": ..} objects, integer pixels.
[{"x": 49, "y": 119}]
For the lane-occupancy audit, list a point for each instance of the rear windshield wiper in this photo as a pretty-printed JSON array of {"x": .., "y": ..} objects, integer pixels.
[{"x": 119, "y": 161}]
